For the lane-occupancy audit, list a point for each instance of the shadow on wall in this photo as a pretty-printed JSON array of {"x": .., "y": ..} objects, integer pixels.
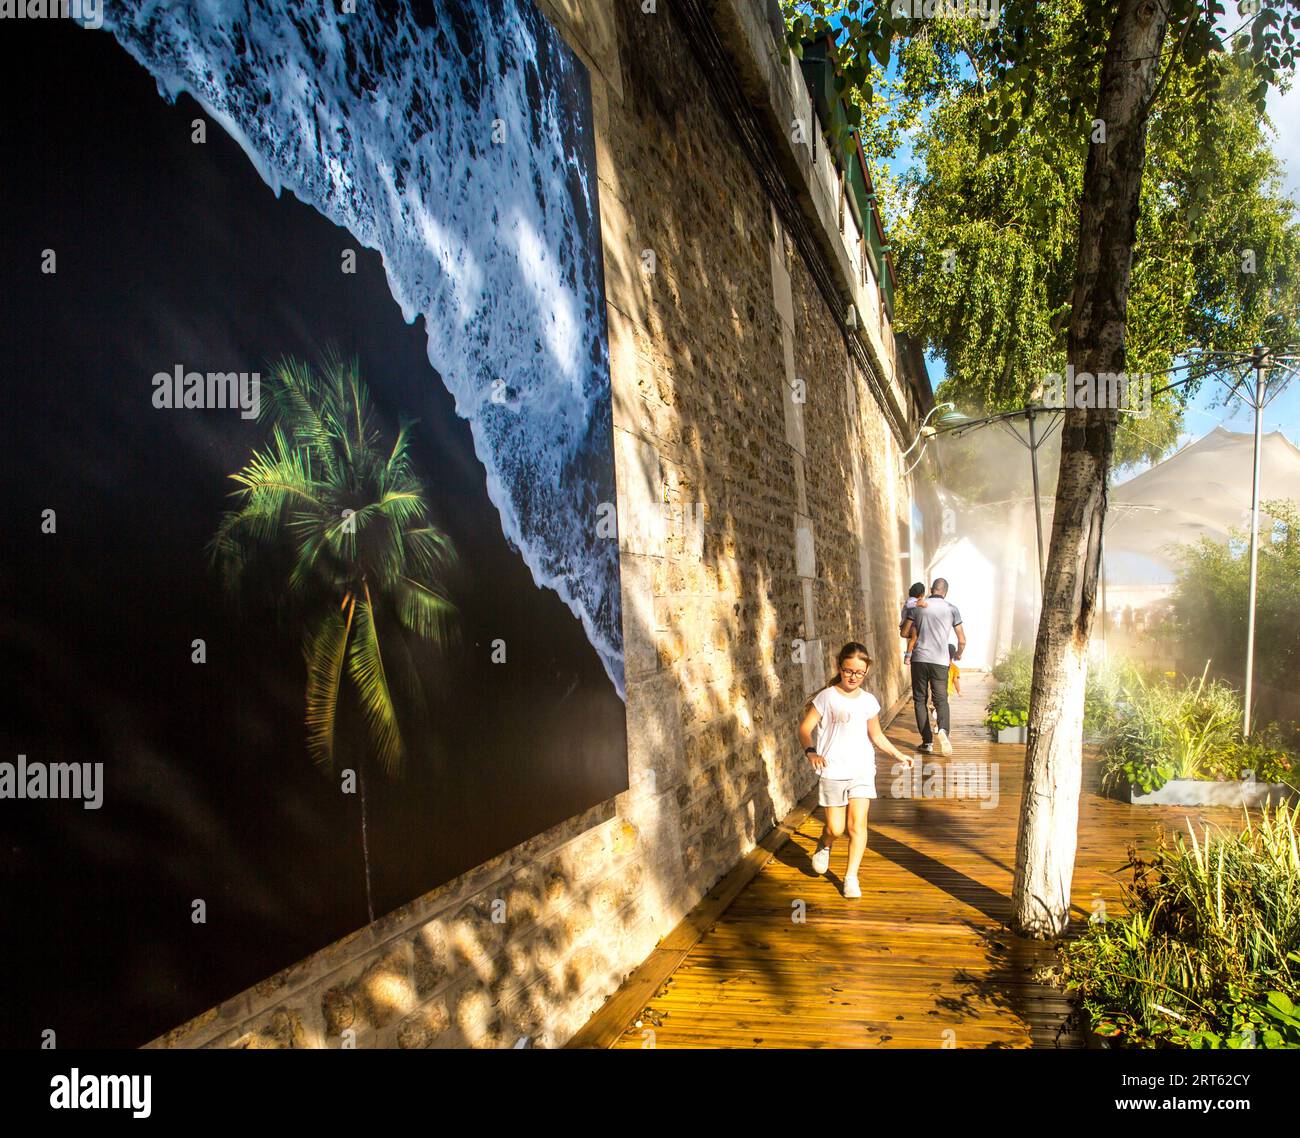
[
  {"x": 713, "y": 603},
  {"x": 711, "y": 609}
]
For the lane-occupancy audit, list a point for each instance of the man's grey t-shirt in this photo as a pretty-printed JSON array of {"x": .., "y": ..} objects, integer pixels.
[{"x": 934, "y": 628}]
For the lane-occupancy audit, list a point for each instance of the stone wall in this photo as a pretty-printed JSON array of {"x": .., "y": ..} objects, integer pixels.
[{"x": 760, "y": 501}]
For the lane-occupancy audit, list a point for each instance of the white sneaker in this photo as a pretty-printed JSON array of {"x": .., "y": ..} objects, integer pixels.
[
  {"x": 851, "y": 888},
  {"x": 926, "y": 749},
  {"x": 821, "y": 860},
  {"x": 945, "y": 744}
]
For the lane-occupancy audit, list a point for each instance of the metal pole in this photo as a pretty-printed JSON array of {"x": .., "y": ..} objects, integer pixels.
[
  {"x": 1260, "y": 358},
  {"x": 1038, "y": 512}
]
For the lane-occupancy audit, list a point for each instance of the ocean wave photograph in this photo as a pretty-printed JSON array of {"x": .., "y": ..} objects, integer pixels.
[{"x": 356, "y": 629}]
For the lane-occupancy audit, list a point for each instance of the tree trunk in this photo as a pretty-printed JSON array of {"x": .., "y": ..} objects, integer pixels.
[{"x": 1049, "y": 809}]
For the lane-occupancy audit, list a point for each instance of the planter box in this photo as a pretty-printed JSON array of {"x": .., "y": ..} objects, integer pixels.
[
  {"x": 1009, "y": 734},
  {"x": 1197, "y": 792}
]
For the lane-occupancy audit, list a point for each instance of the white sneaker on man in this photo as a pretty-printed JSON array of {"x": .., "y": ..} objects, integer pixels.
[
  {"x": 945, "y": 744},
  {"x": 821, "y": 860},
  {"x": 926, "y": 748},
  {"x": 851, "y": 888}
]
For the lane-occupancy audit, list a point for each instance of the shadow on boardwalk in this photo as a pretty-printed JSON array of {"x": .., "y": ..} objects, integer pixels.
[{"x": 925, "y": 959}]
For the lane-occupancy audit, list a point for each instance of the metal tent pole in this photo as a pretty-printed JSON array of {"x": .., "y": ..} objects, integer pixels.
[{"x": 1259, "y": 361}]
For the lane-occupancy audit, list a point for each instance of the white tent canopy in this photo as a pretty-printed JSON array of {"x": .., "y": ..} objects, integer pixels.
[
  {"x": 1202, "y": 490},
  {"x": 989, "y": 552}
]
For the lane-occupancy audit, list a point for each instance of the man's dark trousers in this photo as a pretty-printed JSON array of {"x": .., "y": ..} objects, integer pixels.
[{"x": 930, "y": 680}]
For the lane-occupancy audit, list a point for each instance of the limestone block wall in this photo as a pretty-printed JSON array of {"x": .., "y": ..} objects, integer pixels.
[{"x": 760, "y": 499}]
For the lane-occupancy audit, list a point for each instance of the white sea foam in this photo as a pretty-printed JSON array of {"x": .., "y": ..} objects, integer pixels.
[{"x": 383, "y": 121}]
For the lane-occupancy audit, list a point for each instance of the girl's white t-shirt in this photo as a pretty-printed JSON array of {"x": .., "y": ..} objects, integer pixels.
[{"x": 842, "y": 736}]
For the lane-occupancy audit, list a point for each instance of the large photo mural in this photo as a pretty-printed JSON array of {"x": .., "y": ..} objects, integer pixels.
[{"x": 310, "y": 592}]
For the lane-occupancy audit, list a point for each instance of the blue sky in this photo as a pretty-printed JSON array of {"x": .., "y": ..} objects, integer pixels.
[{"x": 1282, "y": 414}]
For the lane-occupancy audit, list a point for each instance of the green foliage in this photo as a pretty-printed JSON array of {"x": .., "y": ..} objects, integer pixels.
[
  {"x": 1008, "y": 704},
  {"x": 1002, "y": 718},
  {"x": 1170, "y": 730},
  {"x": 333, "y": 522},
  {"x": 985, "y": 225},
  {"x": 1212, "y": 590},
  {"x": 1273, "y": 1022},
  {"x": 1163, "y": 729},
  {"x": 1013, "y": 674},
  {"x": 1271, "y": 754},
  {"x": 1015, "y": 669},
  {"x": 1206, "y": 954},
  {"x": 1038, "y": 65},
  {"x": 1101, "y": 704},
  {"x": 986, "y": 260}
]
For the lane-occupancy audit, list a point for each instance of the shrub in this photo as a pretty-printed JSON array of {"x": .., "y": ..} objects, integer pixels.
[
  {"x": 1270, "y": 753},
  {"x": 1015, "y": 670},
  {"x": 1008, "y": 704},
  {"x": 1167, "y": 730},
  {"x": 1210, "y": 597},
  {"x": 1103, "y": 701}
]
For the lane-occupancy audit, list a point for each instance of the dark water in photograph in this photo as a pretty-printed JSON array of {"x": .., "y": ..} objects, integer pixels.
[{"x": 175, "y": 253}]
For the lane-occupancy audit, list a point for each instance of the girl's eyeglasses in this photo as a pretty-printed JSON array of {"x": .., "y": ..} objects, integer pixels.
[{"x": 846, "y": 673}]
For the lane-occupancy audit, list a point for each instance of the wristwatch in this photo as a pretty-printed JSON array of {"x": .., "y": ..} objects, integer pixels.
[{"x": 810, "y": 750}]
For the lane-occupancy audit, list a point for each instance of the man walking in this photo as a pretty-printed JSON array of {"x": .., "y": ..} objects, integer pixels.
[{"x": 927, "y": 631}]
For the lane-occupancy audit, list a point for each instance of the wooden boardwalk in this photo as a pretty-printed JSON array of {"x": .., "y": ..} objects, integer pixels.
[{"x": 923, "y": 960}]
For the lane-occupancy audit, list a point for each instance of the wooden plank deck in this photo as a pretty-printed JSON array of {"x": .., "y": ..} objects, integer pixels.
[{"x": 923, "y": 960}]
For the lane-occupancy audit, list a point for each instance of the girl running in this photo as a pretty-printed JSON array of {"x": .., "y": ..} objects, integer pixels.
[{"x": 847, "y": 720}]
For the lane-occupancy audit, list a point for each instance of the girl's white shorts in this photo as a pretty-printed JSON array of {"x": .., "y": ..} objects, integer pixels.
[{"x": 837, "y": 792}]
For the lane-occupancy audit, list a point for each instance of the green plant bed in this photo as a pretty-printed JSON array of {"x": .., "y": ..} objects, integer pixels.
[
  {"x": 1008, "y": 705},
  {"x": 1207, "y": 952},
  {"x": 1190, "y": 732}
]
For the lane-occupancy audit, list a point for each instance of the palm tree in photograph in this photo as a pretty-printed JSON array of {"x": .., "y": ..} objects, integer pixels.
[{"x": 338, "y": 510}]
